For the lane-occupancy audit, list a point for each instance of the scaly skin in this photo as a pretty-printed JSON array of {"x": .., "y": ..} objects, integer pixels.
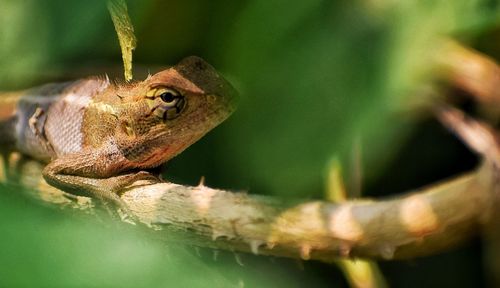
[{"x": 98, "y": 137}]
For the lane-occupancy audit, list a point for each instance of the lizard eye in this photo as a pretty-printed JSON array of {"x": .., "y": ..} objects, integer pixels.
[
  {"x": 172, "y": 102},
  {"x": 169, "y": 96}
]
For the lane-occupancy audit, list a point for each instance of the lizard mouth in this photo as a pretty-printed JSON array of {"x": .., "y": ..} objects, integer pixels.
[{"x": 196, "y": 127}]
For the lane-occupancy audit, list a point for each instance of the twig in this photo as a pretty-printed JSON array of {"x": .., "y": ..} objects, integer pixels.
[
  {"x": 480, "y": 137},
  {"x": 470, "y": 70}
]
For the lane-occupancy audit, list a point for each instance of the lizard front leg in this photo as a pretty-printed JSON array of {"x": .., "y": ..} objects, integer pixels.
[{"x": 94, "y": 174}]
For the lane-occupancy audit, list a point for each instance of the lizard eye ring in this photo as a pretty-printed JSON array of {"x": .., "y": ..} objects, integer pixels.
[
  {"x": 166, "y": 103},
  {"x": 171, "y": 102}
]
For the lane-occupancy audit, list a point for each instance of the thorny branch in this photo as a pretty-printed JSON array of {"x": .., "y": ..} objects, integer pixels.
[{"x": 420, "y": 223}]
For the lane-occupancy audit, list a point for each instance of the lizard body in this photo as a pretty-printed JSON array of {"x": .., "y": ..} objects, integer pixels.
[{"x": 97, "y": 137}]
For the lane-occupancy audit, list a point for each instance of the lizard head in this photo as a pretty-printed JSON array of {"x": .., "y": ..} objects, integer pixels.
[{"x": 177, "y": 107}]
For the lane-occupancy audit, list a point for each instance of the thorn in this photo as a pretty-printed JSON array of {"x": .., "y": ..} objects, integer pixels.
[
  {"x": 237, "y": 257},
  {"x": 254, "y": 246},
  {"x": 270, "y": 245},
  {"x": 387, "y": 251},
  {"x": 216, "y": 234},
  {"x": 344, "y": 250},
  {"x": 305, "y": 251},
  {"x": 202, "y": 182},
  {"x": 216, "y": 254}
]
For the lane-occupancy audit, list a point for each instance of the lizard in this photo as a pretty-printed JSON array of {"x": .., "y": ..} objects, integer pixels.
[{"x": 98, "y": 137}]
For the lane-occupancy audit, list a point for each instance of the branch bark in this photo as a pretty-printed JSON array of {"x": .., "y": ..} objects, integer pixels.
[
  {"x": 407, "y": 227},
  {"x": 420, "y": 223}
]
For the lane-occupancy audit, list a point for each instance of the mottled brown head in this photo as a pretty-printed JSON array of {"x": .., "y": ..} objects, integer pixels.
[{"x": 171, "y": 110}]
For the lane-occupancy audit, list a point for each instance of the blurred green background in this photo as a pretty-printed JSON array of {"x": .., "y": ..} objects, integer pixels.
[{"x": 316, "y": 78}]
